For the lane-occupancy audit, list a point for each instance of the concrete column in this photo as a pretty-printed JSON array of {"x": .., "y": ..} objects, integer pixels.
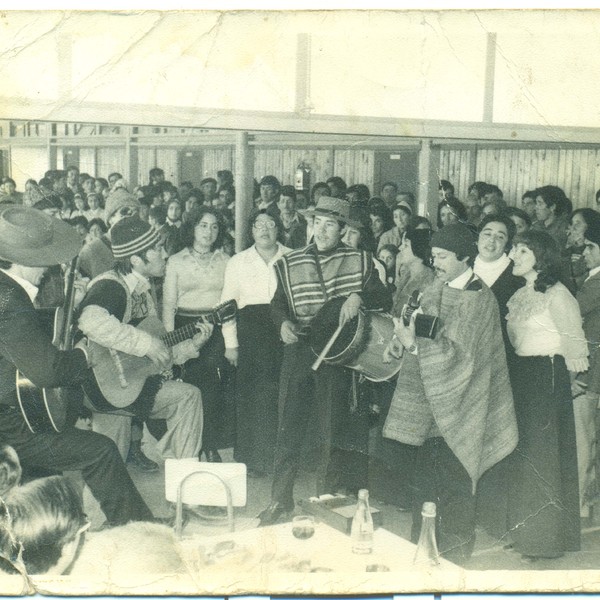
[{"x": 244, "y": 172}]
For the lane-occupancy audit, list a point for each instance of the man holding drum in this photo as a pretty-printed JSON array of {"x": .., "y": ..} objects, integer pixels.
[
  {"x": 307, "y": 278},
  {"x": 453, "y": 398}
]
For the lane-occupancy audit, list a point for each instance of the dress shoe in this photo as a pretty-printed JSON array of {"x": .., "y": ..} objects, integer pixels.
[
  {"x": 213, "y": 456},
  {"x": 274, "y": 513},
  {"x": 139, "y": 460}
]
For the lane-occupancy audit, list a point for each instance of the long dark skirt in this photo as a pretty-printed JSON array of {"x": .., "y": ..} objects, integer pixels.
[
  {"x": 208, "y": 373},
  {"x": 543, "y": 499},
  {"x": 257, "y": 383}
]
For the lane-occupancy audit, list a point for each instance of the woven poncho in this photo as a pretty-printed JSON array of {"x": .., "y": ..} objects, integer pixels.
[{"x": 458, "y": 384}]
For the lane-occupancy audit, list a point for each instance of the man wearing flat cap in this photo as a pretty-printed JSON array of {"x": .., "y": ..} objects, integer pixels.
[
  {"x": 30, "y": 242},
  {"x": 453, "y": 398},
  {"x": 307, "y": 279}
]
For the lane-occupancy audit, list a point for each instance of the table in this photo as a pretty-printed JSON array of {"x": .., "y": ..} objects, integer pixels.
[{"x": 271, "y": 560}]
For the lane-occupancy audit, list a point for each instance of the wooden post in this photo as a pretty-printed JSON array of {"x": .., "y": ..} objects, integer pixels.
[
  {"x": 244, "y": 171},
  {"x": 302, "y": 106},
  {"x": 429, "y": 180},
  {"x": 490, "y": 74}
]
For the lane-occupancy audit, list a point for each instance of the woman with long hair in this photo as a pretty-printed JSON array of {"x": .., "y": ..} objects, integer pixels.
[
  {"x": 254, "y": 341},
  {"x": 192, "y": 288},
  {"x": 544, "y": 326}
]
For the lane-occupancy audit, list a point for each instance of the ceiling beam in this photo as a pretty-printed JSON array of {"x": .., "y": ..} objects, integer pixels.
[{"x": 214, "y": 118}]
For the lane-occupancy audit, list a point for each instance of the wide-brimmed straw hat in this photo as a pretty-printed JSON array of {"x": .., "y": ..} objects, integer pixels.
[
  {"x": 336, "y": 208},
  {"x": 31, "y": 238}
]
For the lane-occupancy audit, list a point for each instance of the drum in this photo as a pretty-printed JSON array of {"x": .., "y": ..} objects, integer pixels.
[{"x": 361, "y": 343}]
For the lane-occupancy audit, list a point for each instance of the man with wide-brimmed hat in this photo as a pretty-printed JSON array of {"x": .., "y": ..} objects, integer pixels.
[
  {"x": 307, "y": 279},
  {"x": 30, "y": 242},
  {"x": 115, "y": 303}
]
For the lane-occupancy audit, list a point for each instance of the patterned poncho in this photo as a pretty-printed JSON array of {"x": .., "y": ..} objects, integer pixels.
[{"x": 457, "y": 386}]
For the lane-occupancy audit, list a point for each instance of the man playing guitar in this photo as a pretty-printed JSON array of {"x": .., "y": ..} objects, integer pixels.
[
  {"x": 30, "y": 242},
  {"x": 116, "y": 302}
]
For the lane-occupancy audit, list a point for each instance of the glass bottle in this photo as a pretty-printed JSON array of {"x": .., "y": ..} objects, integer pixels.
[
  {"x": 361, "y": 532},
  {"x": 427, "y": 551}
]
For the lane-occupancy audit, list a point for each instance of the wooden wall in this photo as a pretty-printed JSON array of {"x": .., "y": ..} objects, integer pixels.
[{"x": 516, "y": 170}]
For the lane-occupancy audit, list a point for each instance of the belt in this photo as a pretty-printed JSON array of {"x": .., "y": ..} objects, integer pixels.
[{"x": 191, "y": 312}]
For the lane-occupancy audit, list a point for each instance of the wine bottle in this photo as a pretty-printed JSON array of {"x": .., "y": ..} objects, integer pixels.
[{"x": 361, "y": 532}]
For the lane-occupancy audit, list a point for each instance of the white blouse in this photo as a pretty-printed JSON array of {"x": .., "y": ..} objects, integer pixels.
[
  {"x": 249, "y": 280},
  {"x": 192, "y": 283},
  {"x": 545, "y": 324}
]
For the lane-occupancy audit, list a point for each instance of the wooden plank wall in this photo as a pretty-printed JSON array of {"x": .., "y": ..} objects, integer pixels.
[
  {"x": 110, "y": 160},
  {"x": 455, "y": 166},
  {"x": 283, "y": 162},
  {"x": 217, "y": 159},
  {"x": 516, "y": 170}
]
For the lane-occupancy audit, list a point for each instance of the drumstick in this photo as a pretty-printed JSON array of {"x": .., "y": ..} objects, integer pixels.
[{"x": 327, "y": 348}]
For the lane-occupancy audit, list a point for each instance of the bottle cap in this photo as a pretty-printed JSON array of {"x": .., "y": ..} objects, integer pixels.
[
  {"x": 364, "y": 495},
  {"x": 428, "y": 509}
]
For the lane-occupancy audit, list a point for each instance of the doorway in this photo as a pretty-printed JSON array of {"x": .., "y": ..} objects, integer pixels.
[{"x": 399, "y": 166}]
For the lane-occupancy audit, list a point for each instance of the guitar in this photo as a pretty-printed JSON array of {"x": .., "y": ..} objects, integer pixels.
[
  {"x": 119, "y": 378},
  {"x": 48, "y": 409}
]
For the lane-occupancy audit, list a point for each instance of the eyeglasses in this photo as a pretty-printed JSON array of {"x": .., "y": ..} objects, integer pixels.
[{"x": 261, "y": 225}]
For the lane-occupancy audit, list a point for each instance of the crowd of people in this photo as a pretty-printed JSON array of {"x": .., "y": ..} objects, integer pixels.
[{"x": 496, "y": 310}]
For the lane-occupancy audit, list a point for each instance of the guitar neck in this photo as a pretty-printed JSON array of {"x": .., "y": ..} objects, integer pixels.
[{"x": 172, "y": 338}]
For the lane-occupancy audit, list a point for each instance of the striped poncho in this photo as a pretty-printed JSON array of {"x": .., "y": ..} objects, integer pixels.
[
  {"x": 457, "y": 386},
  {"x": 309, "y": 282}
]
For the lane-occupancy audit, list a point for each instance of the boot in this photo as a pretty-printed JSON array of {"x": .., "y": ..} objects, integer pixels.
[{"x": 138, "y": 459}]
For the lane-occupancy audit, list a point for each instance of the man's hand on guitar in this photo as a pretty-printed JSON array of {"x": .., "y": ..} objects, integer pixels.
[
  {"x": 204, "y": 332},
  {"x": 159, "y": 354}
]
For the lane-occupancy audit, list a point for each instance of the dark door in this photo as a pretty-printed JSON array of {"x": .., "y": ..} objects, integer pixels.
[
  {"x": 190, "y": 165},
  {"x": 399, "y": 166},
  {"x": 70, "y": 157}
]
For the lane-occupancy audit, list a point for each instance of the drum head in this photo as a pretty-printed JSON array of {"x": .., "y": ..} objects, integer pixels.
[{"x": 324, "y": 325}]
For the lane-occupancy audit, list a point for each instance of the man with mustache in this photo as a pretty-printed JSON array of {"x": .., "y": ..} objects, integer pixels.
[{"x": 453, "y": 398}]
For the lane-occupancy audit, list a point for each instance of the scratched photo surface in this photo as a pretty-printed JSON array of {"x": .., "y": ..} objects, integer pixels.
[{"x": 506, "y": 97}]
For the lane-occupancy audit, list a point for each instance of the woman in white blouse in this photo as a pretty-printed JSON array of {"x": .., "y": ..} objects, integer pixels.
[
  {"x": 545, "y": 329},
  {"x": 192, "y": 287},
  {"x": 250, "y": 280}
]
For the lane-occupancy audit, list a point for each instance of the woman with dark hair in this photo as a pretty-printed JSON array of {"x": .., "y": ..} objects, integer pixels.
[
  {"x": 495, "y": 269},
  {"x": 552, "y": 208},
  {"x": 545, "y": 329},
  {"x": 451, "y": 210},
  {"x": 254, "y": 342},
  {"x": 359, "y": 235},
  {"x": 492, "y": 265},
  {"x": 392, "y": 463},
  {"x": 381, "y": 220},
  {"x": 192, "y": 287},
  {"x": 414, "y": 266}
]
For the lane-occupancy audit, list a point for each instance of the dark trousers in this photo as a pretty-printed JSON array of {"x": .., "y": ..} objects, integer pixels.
[
  {"x": 207, "y": 373},
  {"x": 441, "y": 478},
  {"x": 320, "y": 400},
  {"x": 95, "y": 455}
]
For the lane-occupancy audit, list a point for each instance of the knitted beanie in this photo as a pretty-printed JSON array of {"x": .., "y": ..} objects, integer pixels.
[
  {"x": 118, "y": 199},
  {"x": 457, "y": 238},
  {"x": 132, "y": 236},
  {"x": 419, "y": 241}
]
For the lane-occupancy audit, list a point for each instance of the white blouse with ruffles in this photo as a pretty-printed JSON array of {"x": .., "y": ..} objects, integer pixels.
[{"x": 545, "y": 324}]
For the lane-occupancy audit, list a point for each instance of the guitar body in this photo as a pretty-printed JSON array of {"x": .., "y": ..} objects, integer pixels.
[
  {"x": 120, "y": 377},
  {"x": 45, "y": 409}
]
